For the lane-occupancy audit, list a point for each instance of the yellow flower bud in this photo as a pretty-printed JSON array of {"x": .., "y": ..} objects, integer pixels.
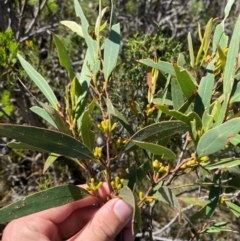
[
  {"x": 113, "y": 126},
  {"x": 204, "y": 158},
  {"x": 156, "y": 163},
  {"x": 140, "y": 195}
]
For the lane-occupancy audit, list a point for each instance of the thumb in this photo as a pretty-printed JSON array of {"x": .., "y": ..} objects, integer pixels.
[{"x": 108, "y": 222}]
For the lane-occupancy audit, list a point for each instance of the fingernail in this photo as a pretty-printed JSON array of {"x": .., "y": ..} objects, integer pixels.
[{"x": 123, "y": 210}]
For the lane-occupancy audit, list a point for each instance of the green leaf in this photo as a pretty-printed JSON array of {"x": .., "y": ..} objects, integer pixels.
[
  {"x": 47, "y": 140},
  {"x": 206, "y": 86},
  {"x": 76, "y": 28},
  {"x": 126, "y": 194},
  {"x": 80, "y": 14},
  {"x": 191, "y": 52},
  {"x": 136, "y": 175},
  {"x": 40, "y": 82},
  {"x": 236, "y": 94},
  {"x": 216, "y": 228},
  {"x": 88, "y": 135},
  {"x": 63, "y": 57},
  {"x": 214, "y": 194},
  {"x": 235, "y": 140},
  {"x": 229, "y": 70},
  {"x": 165, "y": 195},
  {"x": 222, "y": 164},
  {"x": 113, "y": 111},
  {"x": 177, "y": 94},
  {"x": 216, "y": 138},
  {"x": 23, "y": 146},
  {"x": 156, "y": 149},
  {"x": 160, "y": 65},
  {"x": 156, "y": 132},
  {"x": 111, "y": 50},
  {"x": 50, "y": 160},
  {"x": 43, "y": 113},
  {"x": 58, "y": 119},
  {"x": 92, "y": 44},
  {"x": 181, "y": 60},
  {"x": 235, "y": 209},
  {"x": 52, "y": 197},
  {"x": 185, "y": 81},
  {"x": 142, "y": 171}
]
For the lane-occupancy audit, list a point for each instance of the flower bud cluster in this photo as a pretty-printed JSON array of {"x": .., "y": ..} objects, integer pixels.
[
  {"x": 147, "y": 200},
  {"x": 150, "y": 109},
  {"x": 93, "y": 185},
  {"x": 159, "y": 167},
  {"x": 117, "y": 184},
  {"x": 106, "y": 127},
  {"x": 97, "y": 152}
]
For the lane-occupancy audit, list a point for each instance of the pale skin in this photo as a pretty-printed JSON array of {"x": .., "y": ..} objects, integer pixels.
[{"x": 77, "y": 221}]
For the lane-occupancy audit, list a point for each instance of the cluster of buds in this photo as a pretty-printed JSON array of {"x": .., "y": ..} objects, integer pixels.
[
  {"x": 120, "y": 142},
  {"x": 147, "y": 200},
  {"x": 193, "y": 161},
  {"x": 97, "y": 152},
  {"x": 117, "y": 184},
  {"x": 94, "y": 185},
  {"x": 150, "y": 109},
  {"x": 159, "y": 167},
  {"x": 106, "y": 127}
]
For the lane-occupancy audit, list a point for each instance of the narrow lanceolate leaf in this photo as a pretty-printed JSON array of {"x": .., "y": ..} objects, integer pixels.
[
  {"x": 156, "y": 132},
  {"x": 111, "y": 50},
  {"x": 88, "y": 135},
  {"x": 216, "y": 138},
  {"x": 47, "y": 140},
  {"x": 58, "y": 119},
  {"x": 43, "y": 114},
  {"x": 213, "y": 197},
  {"x": 40, "y": 82},
  {"x": 177, "y": 94},
  {"x": 206, "y": 86},
  {"x": 234, "y": 208},
  {"x": 50, "y": 160},
  {"x": 226, "y": 163},
  {"x": 166, "y": 195},
  {"x": 155, "y": 149},
  {"x": 163, "y": 66},
  {"x": 52, "y": 197},
  {"x": 113, "y": 111},
  {"x": 191, "y": 51},
  {"x": 185, "y": 81},
  {"x": 127, "y": 195},
  {"x": 80, "y": 14},
  {"x": 229, "y": 70},
  {"x": 76, "y": 28},
  {"x": 63, "y": 57}
]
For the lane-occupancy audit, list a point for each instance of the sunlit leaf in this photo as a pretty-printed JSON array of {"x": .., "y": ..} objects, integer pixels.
[
  {"x": 111, "y": 50},
  {"x": 126, "y": 194},
  {"x": 216, "y": 138},
  {"x": 40, "y": 82},
  {"x": 76, "y": 28}
]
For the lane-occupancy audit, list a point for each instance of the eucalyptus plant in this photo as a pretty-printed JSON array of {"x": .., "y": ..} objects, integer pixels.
[{"x": 198, "y": 103}]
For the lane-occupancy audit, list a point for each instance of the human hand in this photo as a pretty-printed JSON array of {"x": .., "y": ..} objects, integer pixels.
[{"x": 77, "y": 221}]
